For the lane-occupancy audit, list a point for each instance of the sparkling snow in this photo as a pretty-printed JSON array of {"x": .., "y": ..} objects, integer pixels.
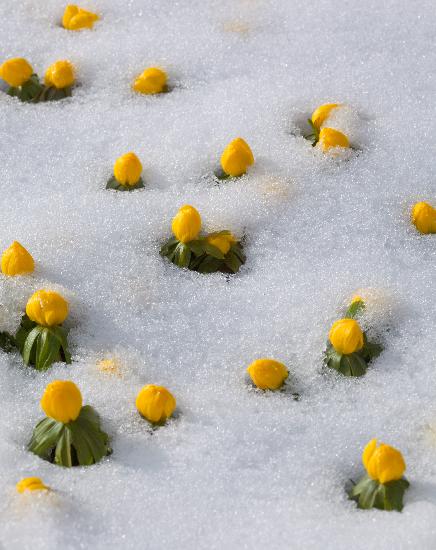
[{"x": 237, "y": 468}]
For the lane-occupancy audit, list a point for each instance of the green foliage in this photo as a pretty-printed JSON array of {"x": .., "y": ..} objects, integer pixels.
[
  {"x": 314, "y": 136},
  {"x": 78, "y": 443},
  {"x": 42, "y": 346},
  {"x": 369, "y": 493},
  {"x": 33, "y": 91},
  {"x": 201, "y": 256},
  {"x": 352, "y": 364},
  {"x": 117, "y": 186},
  {"x": 355, "y": 309}
]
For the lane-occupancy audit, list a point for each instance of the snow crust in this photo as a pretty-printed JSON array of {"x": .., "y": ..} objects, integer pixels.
[{"x": 237, "y": 468}]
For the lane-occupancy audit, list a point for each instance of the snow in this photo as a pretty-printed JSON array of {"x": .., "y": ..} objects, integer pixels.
[{"x": 237, "y": 468}]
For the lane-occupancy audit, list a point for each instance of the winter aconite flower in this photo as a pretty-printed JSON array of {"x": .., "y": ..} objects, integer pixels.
[
  {"x": 222, "y": 241},
  {"x": 151, "y": 81},
  {"x": 16, "y": 260},
  {"x": 330, "y": 138},
  {"x": 268, "y": 374},
  {"x": 76, "y": 18},
  {"x": 62, "y": 401},
  {"x": 383, "y": 463},
  {"x": 236, "y": 158},
  {"x": 384, "y": 485},
  {"x": 424, "y": 217},
  {"x": 31, "y": 484},
  {"x": 346, "y": 336},
  {"x": 155, "y": 403},
  {"x": 60, "y": 75},
  {"x": 70, "y": 434},
  {"x": 47, "y": 308},
  {"x": 186, "y": 224},
  {"x": 320, "y": 114},
  {"x": 128, "y": 169},
  {"x": 16, "y": 71}
]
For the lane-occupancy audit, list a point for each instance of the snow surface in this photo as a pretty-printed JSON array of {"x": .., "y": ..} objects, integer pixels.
[{"x": 238, "y": 468}]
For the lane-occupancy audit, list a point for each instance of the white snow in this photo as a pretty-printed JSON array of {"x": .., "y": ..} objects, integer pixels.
[{"x": 237, "y": 468}]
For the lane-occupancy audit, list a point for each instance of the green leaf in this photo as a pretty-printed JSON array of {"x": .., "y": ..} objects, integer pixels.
[
  {"x": 28, "y": 344},
  {"x": 236, "y": 248},
  {"x": 213, "y": 251},
  {"x": 197, "y": 247},
  {"x": 45, "y": 437},
  {"x": 182, "y": 255},
  {"x": 63, "y": 456},
  {"x": 209, "y": 265},
  {"x": 7, "y": 342},
  {"x": 353, "y": 365},
  {"x": 333, "y": 358},
  {"x": 394, "y": 494},
  {"x": 355, "y": 309},
  {"x": 232, "y": 262},
  {"x": 47, "y": 350},
  {"x": 117, "y": 186},
  {"x": 369, "y": 493},
  {"x": 168, "y": 248}
]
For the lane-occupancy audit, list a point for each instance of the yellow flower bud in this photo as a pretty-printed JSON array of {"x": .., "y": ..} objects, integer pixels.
[
  {"x": 128, "y": 169},
  {"x": 322, "y": 113},
  {"x": 346, "y": 336},
  {"x": 16, "y": 71},
  {"x": 383, "y": 463},
  {"x": 236, "y": 158},
  {"x": 222, "y": 242},
  {"x": 186, "y": 224},
  {"x": 155, "y": 403},
  {"x": 31, "y": 484},
  {"x": 329, "y": 137},
  {"x": 76, "y": 18},
  {"x": 424, "y": 217},
  {"x": 62, "y": 401},
  {"x": 151, "y": 81},
  {"x": 356, "y": 298},
  {"x": 16, "y": 260},
  {"x": 60, "y": 74},
  {"x": 47, "y": 308},
  {"x": 267, "y": 374}
]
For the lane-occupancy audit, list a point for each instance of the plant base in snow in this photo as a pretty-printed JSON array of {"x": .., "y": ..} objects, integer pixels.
[
  {"x": 369, "y": 493},
  {"x": 199, "y": 255},
  {"x": 117, "y": 186},
  {"x": 41, "y": 346},
  {"x": 78, "y": 443},
  {"x": 33, "y": 91},
  {"x": 352, "y": 364}
]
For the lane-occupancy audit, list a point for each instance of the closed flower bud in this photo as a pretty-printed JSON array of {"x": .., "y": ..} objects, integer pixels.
[
  {"x": 236, "y": 158},
  {"x": 128, "y": 169},
  {"x": 383, "y": 463},
  {"x": 76, "y": 18},
  {"x": 62, "y": 401},
  {"x": 356, "y": 299},
  {"x": 329, "y": 138},
  {"x": 346, "y": 336},
  {"x": 322, "y": 113},
  {"x": 16, "y": 260},
  {"x": 267, "y": 374},
  {"x": 151, "y": 81},
  {"x": 60, "y": 74},
  {"x": 186, "y": 224},
  {"x": 31, "y": 484},
  {"x": 47, "y": 308},
  {"x": 16, "y": 71},
  {"x": 424, "y": 217},
  {"x": 155, "y": 403},
  {"x": 222, "y": 242}
]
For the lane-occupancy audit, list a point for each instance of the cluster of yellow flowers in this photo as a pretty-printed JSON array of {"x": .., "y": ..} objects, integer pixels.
[{"x": 62, "y": 400}]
